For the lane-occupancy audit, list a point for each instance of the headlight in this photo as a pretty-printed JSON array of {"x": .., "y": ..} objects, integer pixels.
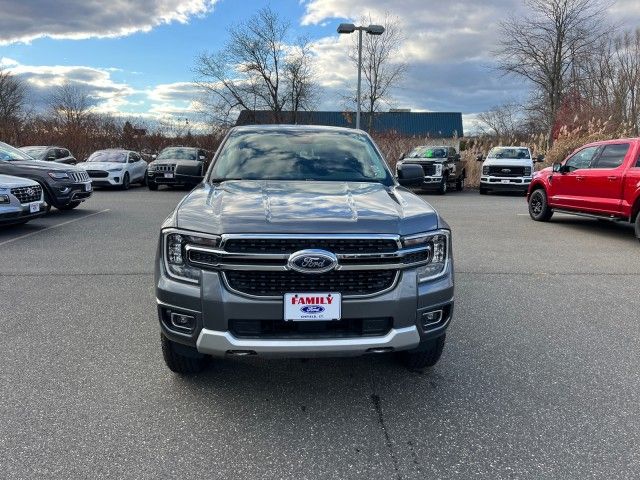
[
  {"x": 115, "y": 169},
  {"x": 440, "y": 243},
  {"x": 175, "y": 256},
  {"x": 485, "y": 170},
  {"x": 151, "y": 167},
  {"x": 58, "y": 175},
  {"x": 527, "y": 171},
  {"x": 438, "y": 172},
  {"x": 4, "y": 198}
]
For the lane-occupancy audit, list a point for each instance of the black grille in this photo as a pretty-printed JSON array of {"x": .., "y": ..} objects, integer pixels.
[
  {"x": 352, "y": 327},
  {"x": 346, "y": 282},
  {"x": 429, "y": 169},
  {"x": 165, "y": 168},
  {"x": 506, "y": 171},
  {"x": 98, "y": 173},
  {"x": 290, "y": 245},
  {"x": 27, "y": 194}
]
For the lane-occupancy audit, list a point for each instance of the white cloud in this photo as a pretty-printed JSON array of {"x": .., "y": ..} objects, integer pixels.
[{"x": 22, "y": 21}]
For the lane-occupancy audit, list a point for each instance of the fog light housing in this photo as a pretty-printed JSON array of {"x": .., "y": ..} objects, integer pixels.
[
  {"x": 182, "y": 322},
  {"x": 429, "y": 319},
  {"x": 4, "y": 199}
]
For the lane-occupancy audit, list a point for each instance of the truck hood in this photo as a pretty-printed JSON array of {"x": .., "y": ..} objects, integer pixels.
[
  {"x": 304, "y": 207},
  {"x": 8, "y": 181},
  {"x": 508, "y": 162}
]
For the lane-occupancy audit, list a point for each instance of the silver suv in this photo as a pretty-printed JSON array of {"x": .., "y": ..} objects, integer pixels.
[
  {"x": 299, "y": 243},
  {"x": 21, "y": 200}
]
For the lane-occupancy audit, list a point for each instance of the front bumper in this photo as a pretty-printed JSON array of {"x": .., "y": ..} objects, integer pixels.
[
  {"x": 114, "y": 179},
  {"x": 504, "y": 184},
  {"x": 213, "y": 306},
  {"x": 431, "y": 182},
  {"x": 64, "y": 192},
  {"x": 161, "y": 178},
  {"x": 15, "y": 212}
]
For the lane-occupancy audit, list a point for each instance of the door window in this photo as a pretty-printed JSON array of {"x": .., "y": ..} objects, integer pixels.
[
  {"x": 581, "y": 159},
  {"x": 612, "y": 156},
  {"x": 638, "y": 162}
]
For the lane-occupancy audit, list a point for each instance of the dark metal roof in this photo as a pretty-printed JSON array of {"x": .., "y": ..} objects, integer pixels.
[{"x": 411, "y": 124}]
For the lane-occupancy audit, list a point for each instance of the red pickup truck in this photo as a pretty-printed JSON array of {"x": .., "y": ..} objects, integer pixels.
[{"x": 600, "y": 180}]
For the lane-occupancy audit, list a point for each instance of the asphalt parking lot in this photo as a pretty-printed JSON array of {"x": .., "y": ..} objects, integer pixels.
[{"x": 540, "y": 377}]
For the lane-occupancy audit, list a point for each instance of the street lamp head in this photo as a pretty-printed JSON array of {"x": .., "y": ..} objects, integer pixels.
[
  {"x": 346, "y": 28},
  {"x": 375, "y": 29}
]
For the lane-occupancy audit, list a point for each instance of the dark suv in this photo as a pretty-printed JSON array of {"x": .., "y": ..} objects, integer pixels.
[
  {"x": 65, "y": 186},
  {"x": 50, "y": 154},
  {"x": 162, "y": 171}
]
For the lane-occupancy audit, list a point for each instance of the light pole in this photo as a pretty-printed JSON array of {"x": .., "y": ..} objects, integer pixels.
[{"x": 346, "y": 28}]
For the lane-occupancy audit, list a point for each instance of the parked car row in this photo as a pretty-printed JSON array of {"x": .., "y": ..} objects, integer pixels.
[
  {"x": 35, "y": 178},
  {"x": 50, "y": 184}
]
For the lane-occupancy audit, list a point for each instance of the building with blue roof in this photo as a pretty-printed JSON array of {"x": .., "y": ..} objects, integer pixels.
[{"x": 404, "y": 123}]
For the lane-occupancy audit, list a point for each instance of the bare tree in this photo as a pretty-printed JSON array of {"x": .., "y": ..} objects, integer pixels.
[
  {"x": 256, "y": 69},
  {"x": 382, "y": 68},
  {"x": 70, "y": 104},
  {"x": 13, "y": 95},
  {"x": 545, "y": 44},
  {"x": 502, "y": 121}
]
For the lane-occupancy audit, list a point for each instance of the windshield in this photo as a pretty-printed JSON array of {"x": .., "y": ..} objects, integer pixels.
[
  {"x": 428, "y": 152},
  {"x": 300, "y": 155},
  {"x": 35, "y": 152},
  {"x": 509, "y": 152},
  {"x": 108, "y": 156},
  {"x": 174, "y": 153},
  {"x": 8, "y": 153}
]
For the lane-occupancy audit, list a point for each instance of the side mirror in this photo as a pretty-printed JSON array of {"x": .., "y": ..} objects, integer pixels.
[
  {"x": 479, "y": 158},
  {"x": 189, "y": 172},
  {"x": 410, "y": 175},
  {"x": 51, "y": 158},
  {"x": 202, "y": 158},
  {"x": 540, "y": 158},
  {"x": 558, "y": 168},
  {"x": 457, "y": 157}
]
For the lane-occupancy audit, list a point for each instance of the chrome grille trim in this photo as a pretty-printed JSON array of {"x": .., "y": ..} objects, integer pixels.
[
  {"x": 27, "y": 194},
  {"x": 79, "y": 177}
]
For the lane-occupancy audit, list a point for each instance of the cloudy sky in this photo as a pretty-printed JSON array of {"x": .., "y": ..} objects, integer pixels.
[{"x": 136, "y": 56}]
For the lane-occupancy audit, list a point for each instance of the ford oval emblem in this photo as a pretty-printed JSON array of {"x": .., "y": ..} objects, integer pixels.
[
  {"x": 312, "y": 309},
  {"x": 312, "y": 261},
  {"x": 506, "y": 170}
]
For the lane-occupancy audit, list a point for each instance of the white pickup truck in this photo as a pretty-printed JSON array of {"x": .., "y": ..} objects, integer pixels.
[{"x": 507, "y": 169}]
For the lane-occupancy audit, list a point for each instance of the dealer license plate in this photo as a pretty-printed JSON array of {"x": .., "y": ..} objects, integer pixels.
[
  {"x": 312, "y": 307},
  {"x": 34, "y": 207},
  {"x": 168, "y": 175},
  {"x": 506, "y": 181}
]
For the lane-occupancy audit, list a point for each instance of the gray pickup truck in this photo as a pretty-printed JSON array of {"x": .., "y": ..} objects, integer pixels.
[{"x": 299, "y": 242}]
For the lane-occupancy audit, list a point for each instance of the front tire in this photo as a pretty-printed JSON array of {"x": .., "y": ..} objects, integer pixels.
[
  {"x": 539, "y": 207},
  {"x": 181, "y": 358},
  {"x": 638, "y": 225},
  {"x": 69, "y": 206},
  {"x": 442, "y": 189},
  {"x": 143, "y": 182},
  {"x": 152, "y": 185},
  {"x": 426, "y": 355},
  {"x": 126, "y": 182},
  {"x": 460, "y": 184},
  {"x": 483, "y": 191}
]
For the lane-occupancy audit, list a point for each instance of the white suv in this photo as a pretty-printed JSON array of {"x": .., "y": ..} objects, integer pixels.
[{"x": 21, "y": 200}]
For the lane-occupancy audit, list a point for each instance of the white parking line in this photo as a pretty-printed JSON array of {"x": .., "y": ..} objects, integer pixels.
[{"x": 11, "y": 240}]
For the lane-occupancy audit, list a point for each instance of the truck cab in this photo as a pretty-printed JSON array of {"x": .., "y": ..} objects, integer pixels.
[
  {"x": 507, "y": 169},
  {"x": 600, "y": 180}
]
